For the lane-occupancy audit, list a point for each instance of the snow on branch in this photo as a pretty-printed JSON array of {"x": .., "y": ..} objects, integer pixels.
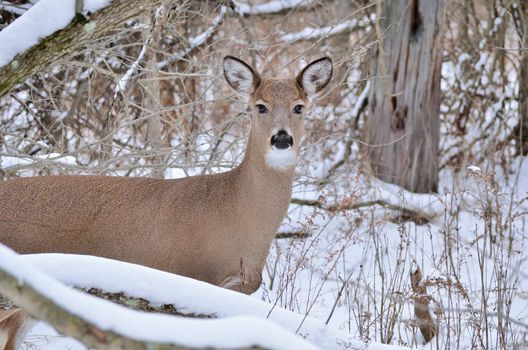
[
  {"x": 421, "y": 208},
  {"x": 100, "y": 324},
  {"x": 270, "y": 7},
  {"x": 38, "y": 22},
  {"x": 186, "y": 295},
  {"x": 361, "y": 101},
  {"x": 17, "y": 9},
  {"x": 123, "y": 82},
  {"x": 316, "y": 33},
  {"x": 198, "y": 40},
  {"x": 50, "y": 30},
  {"x": 12, "y": 163}
]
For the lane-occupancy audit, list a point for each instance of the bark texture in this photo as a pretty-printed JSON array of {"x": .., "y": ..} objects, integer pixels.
[
  {"x": 521, "y": 131},
  {"x": 403, "y": 124},
  {"x": 151, "y": 88},
  {"x": 67, "y": 41}
]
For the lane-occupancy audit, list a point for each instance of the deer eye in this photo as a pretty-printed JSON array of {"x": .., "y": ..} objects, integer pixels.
[
  {"x": 262, "y": 109},
  {"x": 298, "y": 109}
]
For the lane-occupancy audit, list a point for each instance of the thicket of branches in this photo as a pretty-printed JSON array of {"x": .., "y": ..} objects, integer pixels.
[
  {"x": 149, "y": 99},
  {"x": 149, "y": 96}
]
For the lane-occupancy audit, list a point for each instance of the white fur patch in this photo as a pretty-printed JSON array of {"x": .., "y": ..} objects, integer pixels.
[
  {"x": 238, "y": 75},
  {"x": 3, "y": 338},
  {"x": 316, "y": 76},
  {"x": 281, "y": 158}
]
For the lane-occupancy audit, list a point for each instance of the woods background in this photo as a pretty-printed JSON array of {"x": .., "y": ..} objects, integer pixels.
[{"x": 422, "y": 89}]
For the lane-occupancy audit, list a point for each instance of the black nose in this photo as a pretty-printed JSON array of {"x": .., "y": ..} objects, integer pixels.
[{"x": 282, "y": 140}]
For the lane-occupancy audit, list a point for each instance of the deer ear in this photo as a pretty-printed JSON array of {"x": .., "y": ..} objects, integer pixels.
[
  {"x": 240, "y": 75},
  {"x": 316, "y": 76}
]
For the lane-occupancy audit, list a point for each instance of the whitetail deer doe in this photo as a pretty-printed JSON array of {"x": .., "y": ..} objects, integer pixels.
[{"x": 215, "y": 228}]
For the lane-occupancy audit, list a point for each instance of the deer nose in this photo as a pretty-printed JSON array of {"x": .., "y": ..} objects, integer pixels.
[{"x": 282, "y": 140}]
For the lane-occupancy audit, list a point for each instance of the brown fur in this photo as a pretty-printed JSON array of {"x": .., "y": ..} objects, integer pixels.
[
  {"x": 215, "y": 228},
  {"x": 421, "y": 306},
  {"x": 12, "y": 328}
]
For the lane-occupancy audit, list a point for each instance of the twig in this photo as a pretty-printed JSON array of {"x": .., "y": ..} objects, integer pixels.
[
  {"x": 406, "y": 213},
  {"x": 294, "y": 234},
  {"x": 196, "y": 41},
  {"x": 358, "y": 108},
  {"x": 345, "y": 282}
]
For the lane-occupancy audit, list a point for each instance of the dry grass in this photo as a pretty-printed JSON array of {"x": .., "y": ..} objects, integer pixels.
[{"x": 352, "y": 249}]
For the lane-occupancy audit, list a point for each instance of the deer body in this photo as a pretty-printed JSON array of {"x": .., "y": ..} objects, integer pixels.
[
  {"x": 152, "y": 222},
  {"x": 215, "y": 228}
]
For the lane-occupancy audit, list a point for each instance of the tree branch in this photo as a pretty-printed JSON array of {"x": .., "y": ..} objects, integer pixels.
[
  {"x": 17, "y": 9},
  {"x": 317, "y": 33},
  {"x": 103, "y": 325},
  {"x": 67, "y": 41},
  {"x": 65, "y": 322},
  {"x": 196, "y": 41},
  {"x": 271, "y": 7},
  {"x": 406, "y": 213}
]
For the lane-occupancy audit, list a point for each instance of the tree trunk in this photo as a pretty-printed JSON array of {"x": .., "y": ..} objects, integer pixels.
[
  {"x": 403, "y": 126},
  {"x": 151, "y": 88},
  {"x": 521, "y": 131}
]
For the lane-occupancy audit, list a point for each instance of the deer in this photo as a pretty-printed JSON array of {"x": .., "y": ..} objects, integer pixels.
[
  {"x": 14, "y": 324},
  {"x": 216, "y": 228}
]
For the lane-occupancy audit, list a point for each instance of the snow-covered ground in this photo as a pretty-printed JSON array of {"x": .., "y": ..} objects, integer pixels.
[
  {"x": 345, "y": 284},
  {"x": 351, "y": 273}
]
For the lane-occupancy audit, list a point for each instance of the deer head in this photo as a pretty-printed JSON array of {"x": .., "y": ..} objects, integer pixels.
[{"x": 277, "y": 107}]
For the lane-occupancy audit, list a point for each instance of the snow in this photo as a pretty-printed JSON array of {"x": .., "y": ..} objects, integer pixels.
[
  {"x": 232, "y": 332},
  {"x": 474, "y": 169},
  {"x": 461, "y": 202},
  {"x": 7, "y": 162},
  {"x": 43, "y": 337},
  {"x": 268, "y": 7},
  {"x": 38, "y": 22},
  {"x": 241, "y": 319},
  {"x": 360, "y": 100},
  {"x": 429, "y": 204},
  {"x": 312, "y": 33}
]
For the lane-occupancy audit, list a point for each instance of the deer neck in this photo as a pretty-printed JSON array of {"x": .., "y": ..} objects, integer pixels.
[{"x": 264, "y": 188}]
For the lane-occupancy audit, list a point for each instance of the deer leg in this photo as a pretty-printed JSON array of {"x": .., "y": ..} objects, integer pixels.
[
  {"x": 239, "y": 284},
  {"x": 14, "y": 325}
]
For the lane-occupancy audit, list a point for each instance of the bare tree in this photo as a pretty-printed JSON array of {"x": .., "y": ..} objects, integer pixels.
[{"x": 403, "y": 125}]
